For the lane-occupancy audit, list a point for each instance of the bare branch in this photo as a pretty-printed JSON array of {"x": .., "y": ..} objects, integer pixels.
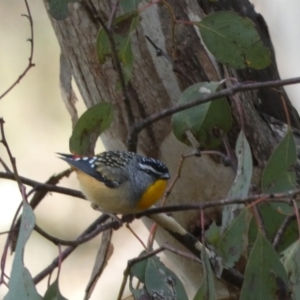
[
  {"x": 237, "y": 87},
  {"x": 30, "y": 63},
  {"x": 278, "y": 197},
  {"x": 68, "y": 250},
  {"x": 39, "y": 186},
  {"x": 78, "y": 241}
]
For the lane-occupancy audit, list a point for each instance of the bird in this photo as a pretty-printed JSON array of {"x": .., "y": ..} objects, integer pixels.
[{"x": 119, "y": 182}]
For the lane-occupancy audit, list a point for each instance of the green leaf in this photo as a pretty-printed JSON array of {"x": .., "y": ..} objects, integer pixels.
[
  {"x": 123, "y": 28},
  {"x": 212, "y": 235},
  {"x": 233, "y": 40},
  {"x": 291, "y": 262},
  {"x": 157, "y": 279},
  {"x": 279, "y": 175},
  {"x": 21, "y": 285},
  {"x": 58, "y": 9},
  {"x": 129, "y": 5},
  {"x": 231, "y": 243},
  {"x": 202, "y": 120},
  {"x": 264, "y": 272},
  {"x": 272, "y": 220},
  {"x": 207, "y": 290},
  {"x": 162, "y": 281},
  {"x": 53, "y": 292},
  {"x": 138, "y": 269},
  {"x": 89, "y": 126},
  {"x": 127, "y": 59},
  {"x": 241, "y": 185}
]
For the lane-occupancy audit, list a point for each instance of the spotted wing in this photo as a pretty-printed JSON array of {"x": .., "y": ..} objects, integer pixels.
[{"x": 96, "y": 169}]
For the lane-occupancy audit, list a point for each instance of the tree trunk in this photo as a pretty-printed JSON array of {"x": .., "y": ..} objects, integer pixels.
[{"x": 155, "y": 86}]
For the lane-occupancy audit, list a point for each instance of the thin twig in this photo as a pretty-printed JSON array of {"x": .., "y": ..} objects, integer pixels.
[
  {"x": 11, "y": 158},
  {"x": 30, "y": 63},
  {"x": 279, "y": 197},
  {"x": 68, "y": 250},
  {"x": 238, "y": 87},
  {"x": 136, "y": 236},
  {"x": 259, "y": 219},
  {"x": 80, "y": 240},
  {"x": 39, "y": 186},
  {"x": 177, "y": 176},
  {"x": 22, "y": 191},
  {"x": 227, "y": 161},
  {"x": 159, "y": 51},
  {"x": 280, "y": 232},
  {"x": 113, "y": 15},
  {"x": 6, "y": 168}
]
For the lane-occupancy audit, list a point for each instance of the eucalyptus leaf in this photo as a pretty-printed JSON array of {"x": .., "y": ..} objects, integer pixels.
[
  {"x": 241, "y": 185},
  {"x": 123, "y": 27},
  {"x": 58, "y": 9},
  {"x": 231, "y": 242},
  {"x": 21, "y": 285},
  {"x": 129, "y": 5},
  {"x": 88, "y": 128},
  {"x": 162, "y": 281},
  {"x": 233, "y": 40},
  {"x": 138, "y": 269},
  {"x": 265, "y": 274},
  {"x": 158, "y": 280},
  {"x": 53, "y": 292},
  {"x": 207, "y": 290},
  {"x": 279, "y": 175},
  {"x": 272, "y": 221},
  {"x": 291, "y": 261},
  {"x": 204, "y": 121}
]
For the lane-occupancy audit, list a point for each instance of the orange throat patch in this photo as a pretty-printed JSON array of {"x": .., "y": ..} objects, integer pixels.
[{"x": 153, "y": 194}]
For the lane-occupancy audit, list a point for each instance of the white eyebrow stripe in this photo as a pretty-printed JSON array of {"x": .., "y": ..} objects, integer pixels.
[{"x": 149, "y": 168}]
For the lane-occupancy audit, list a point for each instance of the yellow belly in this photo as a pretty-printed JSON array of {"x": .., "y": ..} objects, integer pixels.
[{"x": 115, "y": 200}]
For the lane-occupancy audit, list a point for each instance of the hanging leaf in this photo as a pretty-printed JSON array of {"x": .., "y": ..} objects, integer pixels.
[
  {"x": 233, "y": 40},
  {"x": 272, "y": 221},
  {"x": 157, "y": 279},
  {"x": 129, "y": 5},
  {"x": 207, "y": 290},
  {"x": 88, "y": 128},
  {"x": 123, "y": 27},
  {"x": 58, "y": 9},
  {"x": 291, "y": 262},
  {"x": 264, "y": 272},
  {"x": 212, "y": 235},
  {"x": 279, "y": 175},
  {"x": 21, "y": 285},
  {"x": 104, "y": 253},
  {"x": 138, "y": 269},
  {"x": 53, "y": 292},
  {"x": 231, "y": 242},
  {"x": 241, "y": 185},
  {"x": 162, "y": 281},
  {"x": 204, "y": 121}
]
